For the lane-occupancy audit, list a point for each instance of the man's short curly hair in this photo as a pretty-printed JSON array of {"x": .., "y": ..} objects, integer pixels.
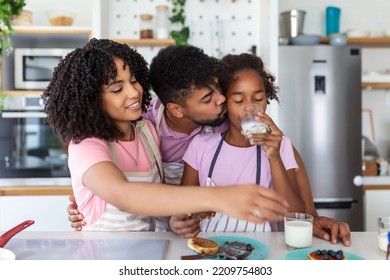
[
  {"x": 177, "y": 71},
  {"x": 74, "y": 103},
  {"x": 233, "y": 63}
]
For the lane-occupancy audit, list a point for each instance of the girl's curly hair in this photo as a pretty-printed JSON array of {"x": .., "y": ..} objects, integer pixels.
[
  {"x": 233, "y": 63},
  {"x": 73, "y": 96},
  {"x": 176, "y": 71}
]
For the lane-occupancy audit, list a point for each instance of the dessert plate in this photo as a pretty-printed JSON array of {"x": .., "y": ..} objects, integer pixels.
[
  {"x": 301, "y": 254},
  {"x": 259, "y": 253}
]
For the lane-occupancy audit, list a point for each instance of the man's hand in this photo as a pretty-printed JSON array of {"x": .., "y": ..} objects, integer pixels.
[
  {"x": 184, "y": 225},
  {"x": 75, "y": 217},
  {"x": 330, "y": 229}
]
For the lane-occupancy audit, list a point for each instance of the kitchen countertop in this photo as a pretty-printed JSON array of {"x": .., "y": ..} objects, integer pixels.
[
  {"x": 376, "y": 183},
  {"x": 35, "y": 186},
  {"x": 364, "y": 244},
  {"x": 33, "y": 182}
]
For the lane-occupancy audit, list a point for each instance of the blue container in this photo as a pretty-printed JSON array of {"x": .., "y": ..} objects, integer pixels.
[{"x": 332, "y": 20}]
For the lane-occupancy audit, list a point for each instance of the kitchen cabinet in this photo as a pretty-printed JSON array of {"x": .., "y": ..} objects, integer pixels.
[
  {"x": 48, "y": 211},
  {"x": 376, "y": 199}
]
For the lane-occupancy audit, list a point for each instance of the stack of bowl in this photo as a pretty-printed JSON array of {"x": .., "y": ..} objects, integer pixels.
[{"x": 25, "y": 18}]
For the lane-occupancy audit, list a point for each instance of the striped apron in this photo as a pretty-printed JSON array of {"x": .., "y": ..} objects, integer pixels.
[
  {"x": 173, "y": 171},
  {"x": 223, "y": 223},
  {"x": 114, "y": 219}
]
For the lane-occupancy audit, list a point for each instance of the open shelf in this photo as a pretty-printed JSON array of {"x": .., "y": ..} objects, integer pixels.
[
  {"x": 145, "y": 42},
  {"x": 376, "y": 85},
  {"x": 53, "y": 30},
  {"x": 24, "y": 92},
  {"x": 364, "y": 41}
]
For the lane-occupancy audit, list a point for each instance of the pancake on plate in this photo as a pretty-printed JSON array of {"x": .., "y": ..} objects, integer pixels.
[{"x": 326, "y": 255}]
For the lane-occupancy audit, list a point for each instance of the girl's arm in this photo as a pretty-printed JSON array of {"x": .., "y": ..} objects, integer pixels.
[
  {"x": 285, "y": 182},
  {"x": 241, "y": 202},
  {"x": 190, "y": 176}
]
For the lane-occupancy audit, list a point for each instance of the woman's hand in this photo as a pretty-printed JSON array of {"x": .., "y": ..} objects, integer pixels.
[
  {"x": 251, "y": 203},
  {"x": 74, "y": 216}
]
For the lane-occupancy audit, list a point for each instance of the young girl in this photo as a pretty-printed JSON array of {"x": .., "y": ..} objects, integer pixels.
[
  {"x": 94, "y": 102},
  {"x": 229, "y": 158}
]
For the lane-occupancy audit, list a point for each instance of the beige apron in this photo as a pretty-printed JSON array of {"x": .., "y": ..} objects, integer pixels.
[{"x": 114, "y": 219}]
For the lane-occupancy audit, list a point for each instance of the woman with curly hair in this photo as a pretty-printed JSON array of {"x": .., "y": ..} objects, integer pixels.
[
  {"x": 269, "y": 158},
  {"x": 94, "y": 102}
]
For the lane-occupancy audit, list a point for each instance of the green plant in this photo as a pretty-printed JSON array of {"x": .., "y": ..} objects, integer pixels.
[
  {"x": 178, "y": 17},
  {"x": 3, "y": 96},
  {"x": 8, "y": 9}
]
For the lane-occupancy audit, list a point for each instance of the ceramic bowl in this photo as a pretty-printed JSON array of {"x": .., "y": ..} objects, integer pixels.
[
  {"x": 337, "y": 39},
  {"x": 60, "y": 18},
  {"x": 306, "y": 40},
  {"x": 6, "y": 254}
]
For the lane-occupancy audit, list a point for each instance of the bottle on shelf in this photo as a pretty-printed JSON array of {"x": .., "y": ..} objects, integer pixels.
[
  {"x": 146, "y": 26},
  {"x": 162, "y": 22}
]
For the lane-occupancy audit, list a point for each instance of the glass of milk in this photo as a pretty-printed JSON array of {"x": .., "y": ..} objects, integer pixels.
[
  {"x": 298, "y": 230},
  {"x": 383, "y": 229},
  {"x": 249, "y": 123}
]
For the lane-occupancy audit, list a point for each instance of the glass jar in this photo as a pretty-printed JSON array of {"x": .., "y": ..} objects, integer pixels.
[
  {"x": 162, "y": 22},
  {"x": 146, "y": 26}
]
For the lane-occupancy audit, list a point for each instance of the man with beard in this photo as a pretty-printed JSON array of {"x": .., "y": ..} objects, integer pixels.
[{"x": 189, "y": 102}]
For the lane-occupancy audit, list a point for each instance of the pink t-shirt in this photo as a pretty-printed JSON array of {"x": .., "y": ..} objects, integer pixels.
[
  {"x": 234, "y": 165},
  {"x": 90, "y": 151},
  {"x": 173, "y": 144}
]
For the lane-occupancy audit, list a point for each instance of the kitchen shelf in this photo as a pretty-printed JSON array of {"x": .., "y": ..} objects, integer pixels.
[
  {"x": 376, "y": 85},
  {"x": 365, "y": 41},
  {"x": 53, "y": 30},
  {"x": 380, "y": 81},
  {"x": 24, "y": 92},
  {"x": 146, "y": 42}
]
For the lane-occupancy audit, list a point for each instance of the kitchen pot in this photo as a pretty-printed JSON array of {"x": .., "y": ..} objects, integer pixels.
[{"x": 292, "y": 23}]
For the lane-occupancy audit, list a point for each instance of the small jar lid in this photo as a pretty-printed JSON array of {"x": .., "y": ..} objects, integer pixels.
[{"x": 146, "y": 16}]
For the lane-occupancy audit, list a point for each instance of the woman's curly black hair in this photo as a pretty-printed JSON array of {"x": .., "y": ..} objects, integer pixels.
[
  {"x": 177, "y": 71},
  {"x": 233, "y": 63},
  {"x": 73, "y": 96}
]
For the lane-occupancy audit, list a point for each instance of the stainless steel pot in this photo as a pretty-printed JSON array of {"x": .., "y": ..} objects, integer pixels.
[{"x": 291, "y": 24}]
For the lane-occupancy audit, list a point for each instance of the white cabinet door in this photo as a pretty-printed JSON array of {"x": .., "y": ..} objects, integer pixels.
[
  {"x": 49, "y": 212},
  {"x": 376, "y": 204}
]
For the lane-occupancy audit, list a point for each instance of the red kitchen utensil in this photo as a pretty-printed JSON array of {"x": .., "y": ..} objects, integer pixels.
[{"x": 9, "y": 234}]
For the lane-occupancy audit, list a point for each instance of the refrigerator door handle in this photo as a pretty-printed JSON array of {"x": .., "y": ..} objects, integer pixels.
[{"x": 335, "y": 204}]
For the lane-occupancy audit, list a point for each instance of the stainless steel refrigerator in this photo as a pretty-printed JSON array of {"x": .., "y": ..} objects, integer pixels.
[{"x": 320, "y": 111}]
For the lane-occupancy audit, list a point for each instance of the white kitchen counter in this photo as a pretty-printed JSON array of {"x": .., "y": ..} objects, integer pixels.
[
  {"x": 33, "y": 182},
  {"x": 364, "y": 244},
  {"x": 376, "y": 180}
]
